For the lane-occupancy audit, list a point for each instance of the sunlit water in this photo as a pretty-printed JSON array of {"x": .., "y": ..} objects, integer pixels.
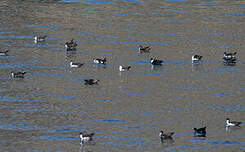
[{"x": 48, "y": 109}]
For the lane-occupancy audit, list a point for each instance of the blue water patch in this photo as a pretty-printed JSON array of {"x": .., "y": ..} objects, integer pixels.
[
  {"x": 88, "y": 10},
  {"x": 64, "y": 129},
  {"x": 16, "y": 37},
  {"x": 111, "y": 120},
  {"x": 186, "y": 87},
  {"x": 224, "y": 47},
  {"x": 105, "y": 100},
  {"x": 37, "y": 45},
  {"x": 54, "y": 95},
  {"x": 57, "y": 138},
  {"x": 5, "y": 98},
  {"x": 236, "y": 14},
  {"x": 43, "y": 26},
  {"x": 225, "y": 142},
  {"x": 209, "y": 3},
  {"x": 176, "y": 11},
  {"x": 224, "y": 94},
  {"x": 19, "y": 126},
  {"x": 134, "y": 1}
]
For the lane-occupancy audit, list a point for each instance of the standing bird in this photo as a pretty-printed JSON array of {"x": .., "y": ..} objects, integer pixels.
[
  {"x": 71, "y": 46},
  {"x": 145, "y": 49},
  {"x": 39, "y": 38},
  {"x": 166, "y": 135},
  {"x": 99, "y": 61},
  {"x": 91, "y": 81},
  {"x": 156, "y": 62},
  {"x": 86, "y": 137},
  {"x": 4, "y": 53},
  {"x": 18, "y": 74},
  {"x": 196, "y": 58},
  {"x": 232, "y": 123},
  {"x": 124, "y": 68},
  {"x": 76, "y": 65},
  {"x": 200, "y": 132}
]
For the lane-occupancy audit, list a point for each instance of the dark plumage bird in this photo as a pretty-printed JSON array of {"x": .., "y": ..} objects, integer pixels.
[
  {"x": 4, "y": 53},
  {"x": 76, "y": 65},
  {"x": 196, "y": 58},
  {"x": 91, "y": 81},
  {"x": 229, "y": 59},
  {"x": 18, "y": 74},
  {"x": 144, "y": 49},
  {"x": 86, "y": 137},
  {"x": 39, "y": 38},
  {"x": 200, "y": 132},
  {"x": 165, "y": 136},
  {"x": 71, "y": 46},
  {"x": 232, "y": 123},
  {"x": 156, "y": 62},
  {"x": 99, "y": 61}
]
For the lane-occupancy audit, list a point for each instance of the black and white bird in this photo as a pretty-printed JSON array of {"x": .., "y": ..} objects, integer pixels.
[
  {"x": 200, "y": 132},
  {"x": 232, "y": 123},
  {"x": 144, "y": 49},
  {"x": 86, "y": 137},
  {"x": 99, "y": 61},
  {"x": 156, "y": 62},
  {"x": 228, "y": 56},
  {"x": 196, "y": 58},
  {"x": 4, "y": 53},
  {"x": 18, "y": 74},
  {"x": 76, "y": 65},
  {"x": 91, "y": 81},
  {"x": 165, "y": 136},
  {"x": 39, "y": 38},
  {"x": 71, "y": 46},
  {"x": 124, "y": 68}
]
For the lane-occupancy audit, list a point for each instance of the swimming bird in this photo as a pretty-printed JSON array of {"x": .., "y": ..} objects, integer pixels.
[
  {"x": 124, "y": 68},
  {"x": 166, "y": 135},
  {"x": 39, "y": 38},
  {"x": 200, "y": 132},
  {"x": 232, "y": 123},
  {"x": 156, "y": 62},
  {"x": 86, "y": 137},
  {"x": 18, "y": 74},
  {"x": 91, "y": 81},
  {"x": 196, "y": 58},
  {"x": 76, "y": 65},
  {"x": 229, "y": 55},
  {"x": 71, "y": 46},
  {"x": 145, "y": 49},
  {"x": 99, "y": 61},
  {"x": 4, "y": 53}
]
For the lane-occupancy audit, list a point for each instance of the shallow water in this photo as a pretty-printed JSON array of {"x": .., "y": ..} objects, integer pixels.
[{"x": 48, "y": 109}]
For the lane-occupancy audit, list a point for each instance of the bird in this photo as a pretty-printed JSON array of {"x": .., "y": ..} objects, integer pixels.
[
  {"x": 39, "y": 38},
  {"x": 4, "y": 53},
  {"x": 200, "y": 132},
  {"x": 99, "y": 61},
  {"x": 18, "y": 74},
  {"x": 124, "y": 68},
  {"x": 165, "y": 136},
  {"x": 229, "y": 55},
  {"x": 156, "y": 62},
  {"x": 91, "y": 81},
  {"x": 145, "y": 49},
  {"x": 71, "y": 46},
  {"x": 76, "y": 65},
  {"x": 86, "y": 137},
  {"x": 196, "y": 58},
  {"x": 232, "y": 123}
]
